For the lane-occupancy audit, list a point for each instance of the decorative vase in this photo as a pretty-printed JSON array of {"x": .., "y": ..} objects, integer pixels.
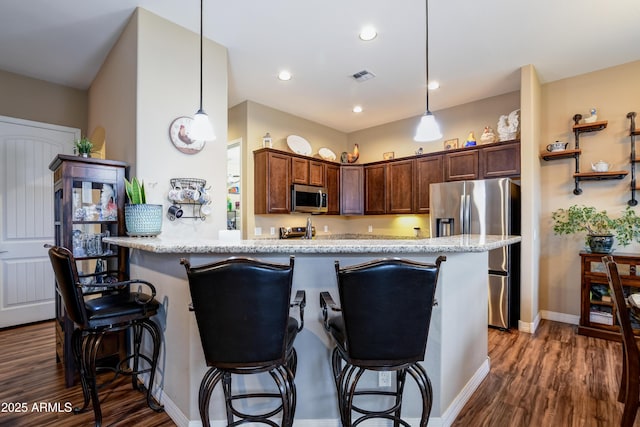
[
  {"x": 86, "y": 155},
  {"x": 144, "y": 220},
  {"x": 600, "y": 243}
]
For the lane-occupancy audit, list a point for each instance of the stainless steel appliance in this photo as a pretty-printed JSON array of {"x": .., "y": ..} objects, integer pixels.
[
  {"x": 308, "y": 198},
  {"x": 485, "y": 207}
]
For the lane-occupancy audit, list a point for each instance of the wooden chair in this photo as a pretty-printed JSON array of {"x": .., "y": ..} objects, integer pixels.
[
  {"x": 629, "y": 392},
  {"x": 382, "y": 326}
]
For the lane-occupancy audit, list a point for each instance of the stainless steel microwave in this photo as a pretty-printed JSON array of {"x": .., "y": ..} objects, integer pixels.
[{"x": 308, "y": 198}]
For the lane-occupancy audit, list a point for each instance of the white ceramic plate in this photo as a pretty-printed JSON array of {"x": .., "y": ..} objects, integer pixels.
[
  {"x": 327, "y": 154},
  {"x": 299, "y": 145}
]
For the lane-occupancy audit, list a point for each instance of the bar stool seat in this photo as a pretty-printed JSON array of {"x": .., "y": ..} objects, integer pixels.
[
  {"x": 382, "y": 325},
  {"x": 117, "y": 309}
]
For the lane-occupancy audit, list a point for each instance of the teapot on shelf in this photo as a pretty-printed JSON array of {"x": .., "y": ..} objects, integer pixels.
[{"x": 600, "y": 166}]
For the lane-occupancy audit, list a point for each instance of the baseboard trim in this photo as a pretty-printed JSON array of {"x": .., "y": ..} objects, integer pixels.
[{"x": 571, "y": 319}]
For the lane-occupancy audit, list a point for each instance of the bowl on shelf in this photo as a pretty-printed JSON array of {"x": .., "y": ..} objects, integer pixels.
[{"x": 557, "y": 146}]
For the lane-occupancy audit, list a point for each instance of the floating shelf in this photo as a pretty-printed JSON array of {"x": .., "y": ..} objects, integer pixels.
[
  {"x": 598, "y": 176},
  {"x": 556, "y": 155}
]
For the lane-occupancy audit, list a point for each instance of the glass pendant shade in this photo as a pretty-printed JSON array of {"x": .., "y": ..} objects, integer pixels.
[
  {"x": 201, "y": 128},
  {"x": 428, "y": 129}
]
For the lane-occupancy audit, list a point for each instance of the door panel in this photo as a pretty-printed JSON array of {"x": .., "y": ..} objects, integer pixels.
[
  {"x": 499, "y": 301},
  {"x": 26, "y": 206}
]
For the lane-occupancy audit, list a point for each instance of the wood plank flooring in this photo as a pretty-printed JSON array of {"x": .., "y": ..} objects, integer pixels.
[
  {"x": 30, "y": 375},
  {"x": 552, "y": 378}
]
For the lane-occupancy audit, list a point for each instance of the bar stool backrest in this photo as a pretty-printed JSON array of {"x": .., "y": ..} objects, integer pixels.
[
  {"x": 241, "y": 307},
  {"x": 386, "y": 306},
  {"x": 66, "y": 273}
]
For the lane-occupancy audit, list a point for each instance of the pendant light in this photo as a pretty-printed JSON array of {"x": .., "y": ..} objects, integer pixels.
[
  {"x": 428, "y": 129},
  {"x": 201, "y": 129}
]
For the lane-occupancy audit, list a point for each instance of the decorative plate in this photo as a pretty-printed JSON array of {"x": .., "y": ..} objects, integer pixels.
[
  {"x": 179, "y": 135},
  {"x": 327, "y": 154},
  {"x": 299, "y": 145}
]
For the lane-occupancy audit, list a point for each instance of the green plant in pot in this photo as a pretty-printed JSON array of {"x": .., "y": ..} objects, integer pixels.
[
  {"x": 598, "y": 225},
  {"x": 141, "y": 219},
  {"x": 84, "y": 146}
]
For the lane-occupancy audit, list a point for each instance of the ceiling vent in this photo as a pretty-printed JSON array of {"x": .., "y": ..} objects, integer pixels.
[{"x": 363, "y": 75}]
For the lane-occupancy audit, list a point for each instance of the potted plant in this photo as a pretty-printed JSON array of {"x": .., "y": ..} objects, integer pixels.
[
  {"x": 599, "y": 226},
  {"x": 141, "y": 219},
  {"x": 84, "y": 146}
]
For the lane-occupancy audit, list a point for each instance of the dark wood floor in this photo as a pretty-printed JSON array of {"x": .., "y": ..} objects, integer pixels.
[
  {"x": 30, "y": 376},
  {"x": 551, "y": 378}
]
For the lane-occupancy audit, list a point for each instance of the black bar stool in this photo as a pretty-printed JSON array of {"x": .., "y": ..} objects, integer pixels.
[
  {"x": 117, "y": 309},
  {"x": 383, "y": 325},
  {"x": 242, "y": 311}
]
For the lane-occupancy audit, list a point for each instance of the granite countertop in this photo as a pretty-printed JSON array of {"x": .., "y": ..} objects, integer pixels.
[{"x": 177, "y": 245}]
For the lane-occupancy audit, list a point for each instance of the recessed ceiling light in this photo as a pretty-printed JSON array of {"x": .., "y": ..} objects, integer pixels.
[
  {"x": 284, "y": 75},
  {"x": 368, "y": 33},
  {"x": 433, "y": 85},
  {"x": 357, "y": 109}
]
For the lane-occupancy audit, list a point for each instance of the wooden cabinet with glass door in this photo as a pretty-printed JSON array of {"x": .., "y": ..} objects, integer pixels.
[{"x": 88, "y": 206}]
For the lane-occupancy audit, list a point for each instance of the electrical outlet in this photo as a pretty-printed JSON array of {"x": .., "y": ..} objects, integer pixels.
[
  {"x": 384, "y": 379},
  {"x": 257, "y": 231},
  {"x": 326, "y": 228},
  {"x": 370, "y": 229},
  {"x": 272, "y": 230}
]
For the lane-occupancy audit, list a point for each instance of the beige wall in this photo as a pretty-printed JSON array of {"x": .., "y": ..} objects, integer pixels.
[
  {"x": 531, "y": 109},
  {"x": 40, "y": 101},
  {"x": 112, "y": 97},
  {"x": 614, "y": 92},
  {"x": 455, "y": 122}
]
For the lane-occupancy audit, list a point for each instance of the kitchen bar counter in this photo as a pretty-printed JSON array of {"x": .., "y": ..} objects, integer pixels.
[
  {"x": 461, "y": 243},
  {"x": 456, "y": 357}
]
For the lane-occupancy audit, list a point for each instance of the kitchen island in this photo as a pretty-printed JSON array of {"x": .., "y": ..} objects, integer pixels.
[{"x": 456, "y": 357}]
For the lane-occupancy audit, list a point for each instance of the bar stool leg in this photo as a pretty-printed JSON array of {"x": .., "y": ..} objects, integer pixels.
[{"x": 209, "y": 382}]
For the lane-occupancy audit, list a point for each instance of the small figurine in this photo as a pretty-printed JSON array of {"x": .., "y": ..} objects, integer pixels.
[
  {"x": 352, "y": 158},
  {"x": 593, "y": 117},
  {"x": 487, "y": 136},
  {"x": 266, "y": 141},
  {"x": 419, "y": 151},
  {"x": 471, "y": 140},
  {"x": 509, "y": 126}
]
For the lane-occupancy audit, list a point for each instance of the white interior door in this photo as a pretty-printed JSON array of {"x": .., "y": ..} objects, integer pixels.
[{"x": 27, "y": 284}]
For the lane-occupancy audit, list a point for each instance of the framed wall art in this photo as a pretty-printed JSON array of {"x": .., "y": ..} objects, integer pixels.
[{"x": 450, "y": 144}]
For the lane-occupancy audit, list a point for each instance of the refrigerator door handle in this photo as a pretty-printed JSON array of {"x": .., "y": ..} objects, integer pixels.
[
  {"x": 462, "y": 217},
  {"x": 467, "y": 215}
]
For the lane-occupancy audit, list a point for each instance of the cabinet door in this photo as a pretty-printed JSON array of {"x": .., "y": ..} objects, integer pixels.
[
  {"x": 351, "y": 194},
  {"x": 428, "y": 170},
  {"x": 299, "y": 171},
  {"x": 332, "y": 179},
  {"x": 400, "y": 187},
  {"x": 272, "y": 182},
  {"x": 375, "y": 194},
  {"x": 461, "y": 165},
  {"x": 500, "y": 161},
  {"x": 316, "y": 173}
]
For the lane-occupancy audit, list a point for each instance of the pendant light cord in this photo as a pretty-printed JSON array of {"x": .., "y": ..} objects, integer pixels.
[
  {"x": 201, "y": 2},
  {"x": 427, "y": 51}
]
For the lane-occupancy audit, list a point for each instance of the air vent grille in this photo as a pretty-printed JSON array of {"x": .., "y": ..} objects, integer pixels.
[{"x": 363, "y": 75}]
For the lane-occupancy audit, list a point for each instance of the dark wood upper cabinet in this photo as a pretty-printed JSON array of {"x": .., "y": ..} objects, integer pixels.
[
  {"x": 332, "y": 180},
  {"x": 272, "y": 182},
  {"x": 299, "y": 171},
  {"x": 461, "y": 165},
  {"x": 400, "y": 187},
  {"x": 375, "y": 183},
  {"x": 308, "y": 172},
  {"x": 351, "y": 186},
  {"x": 500, "y": 160},
  {"x": 429, "y": 170}
]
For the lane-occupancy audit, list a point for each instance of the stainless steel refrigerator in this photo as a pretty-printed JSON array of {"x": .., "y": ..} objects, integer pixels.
[{"x": 489, "y": 206}]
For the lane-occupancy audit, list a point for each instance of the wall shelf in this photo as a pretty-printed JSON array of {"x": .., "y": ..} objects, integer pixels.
[{"x": 557, "y": 155}]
